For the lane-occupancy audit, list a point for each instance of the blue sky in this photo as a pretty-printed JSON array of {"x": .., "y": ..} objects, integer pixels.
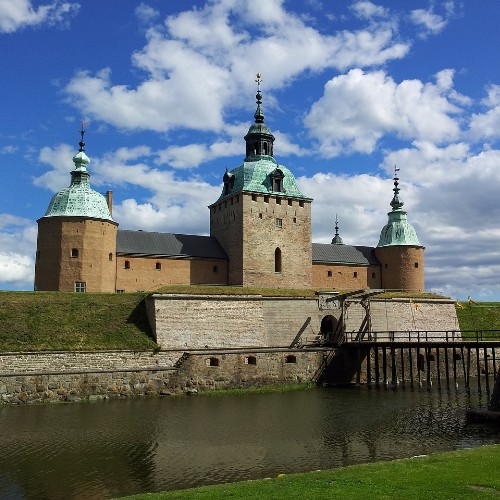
[{"x": 350, "y": 89}]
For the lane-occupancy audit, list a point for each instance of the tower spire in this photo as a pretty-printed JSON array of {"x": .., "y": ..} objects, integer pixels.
[
  {"x": 82, "y": 133},
  {"x": 259, "y": 115},
  {"x": 396, "y": 203},
  {"x": 259, "y": 139},
  {"x": 337, "y": 240}
]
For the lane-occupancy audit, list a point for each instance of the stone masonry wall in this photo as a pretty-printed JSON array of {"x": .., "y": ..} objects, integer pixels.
[{"x": 197, "y": 322}]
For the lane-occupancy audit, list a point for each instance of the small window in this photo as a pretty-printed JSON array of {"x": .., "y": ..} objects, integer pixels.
[
  {"x": 74, "y": 252},
  {"x": 126, "y": 264},
  {"x": 278, "y": 201},
  {"x": 416, "y": 265},
  {"x": 251, "y": 360},
  {"x": 80, "y": 286},
  {"x": 301, "y": 204},
  {"x": 120, "y": 291},
  {"x": 266, "y": 199},
  {"x": 279, "y": 222},
  {"x": 212, "y": 362},
  {"x": 290, "y": 203},
  {"x": 260, "y": 215},
  {"x": 329, "y": 274},
  {"x": 295, "y": 220},
  {"x": 291, "y": 359},
  {"x": 215, "y": 269},
  {"x": 158, "y": 266},
  {"x": 110, "y": 256},
  {"x": 355, "y": 274},
  {"x": 386, "y": 265},
  {"x": 254, "y": 197},
  {"x": 373, "y": 275}
]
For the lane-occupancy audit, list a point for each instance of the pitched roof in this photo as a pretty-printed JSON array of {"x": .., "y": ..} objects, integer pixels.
[
  {"x": 168, "y": 245},
  {"x": 344, "y": 254}
]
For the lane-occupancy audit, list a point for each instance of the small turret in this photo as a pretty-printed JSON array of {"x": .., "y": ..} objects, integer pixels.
[
  {"x": 399, "y": 251},
  {"x": 337, "y": 240}
]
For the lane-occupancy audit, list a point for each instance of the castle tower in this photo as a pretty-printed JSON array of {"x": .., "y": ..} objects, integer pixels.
[
  {"x": 261, "y": 219},
  {"x": 400, "y": 254},
  {"x": 76, "y": 245}
]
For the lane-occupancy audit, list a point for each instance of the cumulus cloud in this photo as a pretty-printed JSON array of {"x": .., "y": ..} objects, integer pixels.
[
  {"x": 18, "y": 14},
  {"x": 487, "y": 125},
  {"x": 196, "y": 66},
  {"x": 358, "y": 108},
  {"x": 17, "y": 249},
  {"x": 366, "y": 10}
]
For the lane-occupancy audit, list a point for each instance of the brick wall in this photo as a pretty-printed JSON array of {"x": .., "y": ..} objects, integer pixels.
[{"x": 331, "y": 277}]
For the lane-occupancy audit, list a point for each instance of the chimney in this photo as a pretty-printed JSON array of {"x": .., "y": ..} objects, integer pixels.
[{"x": 109, "y": 201}]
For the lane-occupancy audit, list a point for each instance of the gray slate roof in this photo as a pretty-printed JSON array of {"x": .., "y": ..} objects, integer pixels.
[
  {"x": 344, "y": 254},
  {"x": 168, "y": 245}
]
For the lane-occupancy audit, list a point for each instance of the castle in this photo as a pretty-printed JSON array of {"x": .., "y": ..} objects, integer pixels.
[{"x": 260, "y": 236}]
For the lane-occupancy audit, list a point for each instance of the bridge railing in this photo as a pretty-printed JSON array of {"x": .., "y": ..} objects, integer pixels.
[{"x": 425, "y": 336}]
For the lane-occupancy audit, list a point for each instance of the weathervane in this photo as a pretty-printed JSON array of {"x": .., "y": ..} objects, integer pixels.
[
  {"x": 258, "y": 80},
  {"x": 82, "y": 133}
]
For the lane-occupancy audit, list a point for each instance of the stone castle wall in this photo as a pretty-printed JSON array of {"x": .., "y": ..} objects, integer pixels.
[
  {"x": 197, "y": 322},
  {"x": 402, "y": 267}
]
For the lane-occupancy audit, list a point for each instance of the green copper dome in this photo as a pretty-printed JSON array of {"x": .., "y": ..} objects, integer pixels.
[
  {"x": 261, "y": 176},
  {"x": 260, "y": 172},
  {"x": 79, "y": 199},
  {"x": 398, "y": 231}
]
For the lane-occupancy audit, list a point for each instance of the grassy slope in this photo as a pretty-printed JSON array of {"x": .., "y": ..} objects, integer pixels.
[
  {"x": 480, "y": 316},
  {"x": 67, "y": 321},
  {"x": 461, "y": 474}
]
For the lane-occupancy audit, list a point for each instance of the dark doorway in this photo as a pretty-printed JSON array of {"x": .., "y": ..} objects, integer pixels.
[{"x": 329, "y": 331}]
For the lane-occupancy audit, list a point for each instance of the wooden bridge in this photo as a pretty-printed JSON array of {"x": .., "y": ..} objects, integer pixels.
[{"x": 398, "y": 359}]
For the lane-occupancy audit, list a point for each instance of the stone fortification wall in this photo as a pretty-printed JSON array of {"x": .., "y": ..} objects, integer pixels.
[
  {"x": 400, "y": 316},
  {"x": 65, "y": 361},
  {"x": 55, "y": 376},
  {"x": 197, "y": 322}
]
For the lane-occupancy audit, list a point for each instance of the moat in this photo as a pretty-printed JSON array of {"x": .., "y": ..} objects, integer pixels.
[{"x": 113, "y": 448}]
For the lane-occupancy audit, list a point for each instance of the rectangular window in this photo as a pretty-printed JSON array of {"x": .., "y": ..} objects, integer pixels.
[
  {"x": 301, "y": 204},
  {"x": 74, "y": 253},
  {"x": 279, "y": 222},
  {"x": 355, "y": 274},
  {"x": 120, "y": 291},
  {"x": 80, "y": 286},
  {"x": 329, "y": 274},
  {"x": 278, "y": 201},
  {"x": 290, "y": 203},
  {"x": 266, "y": 199},
  {"x": 254, "y": 197}
]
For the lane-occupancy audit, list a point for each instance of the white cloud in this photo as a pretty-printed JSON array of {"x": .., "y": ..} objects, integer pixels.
[
  {"x": 17, "y": 249},
  {"x": 200, "y": 66},
  {"x": 60, "y": 160},
  {"x": 145, "y": 13},
  {"x": 487, "y": 125},
  {"x": 18, "y": 14},
  {"x": 358, "y": 108},
  {"x": 432, "y": 23},
  {"x": 366, "y": 10}
]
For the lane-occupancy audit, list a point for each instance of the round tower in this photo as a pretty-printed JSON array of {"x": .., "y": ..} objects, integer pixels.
[
  {"x": 76, "y": 244},
  {"x": 399, "y": 252}
]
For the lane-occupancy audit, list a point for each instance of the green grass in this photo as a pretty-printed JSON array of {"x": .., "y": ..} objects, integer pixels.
[
  {"x": 73, "y": 321},
  {"x": 480, "y": 316},
  {"x": 456, "y": 475}
]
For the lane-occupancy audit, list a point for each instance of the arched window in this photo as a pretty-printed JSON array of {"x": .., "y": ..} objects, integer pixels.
[
  {"x": 265, "y": 148},
  {"x": 277, "y": 261}
]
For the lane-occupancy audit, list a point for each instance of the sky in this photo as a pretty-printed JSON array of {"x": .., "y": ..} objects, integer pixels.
[{"x": 350, "y": 89}]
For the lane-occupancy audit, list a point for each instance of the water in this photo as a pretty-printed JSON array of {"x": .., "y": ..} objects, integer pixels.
[{"x": 120, "y": 447}]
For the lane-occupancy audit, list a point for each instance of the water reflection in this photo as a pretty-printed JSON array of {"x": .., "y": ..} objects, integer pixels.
[{"x": 114, "y": 448}]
